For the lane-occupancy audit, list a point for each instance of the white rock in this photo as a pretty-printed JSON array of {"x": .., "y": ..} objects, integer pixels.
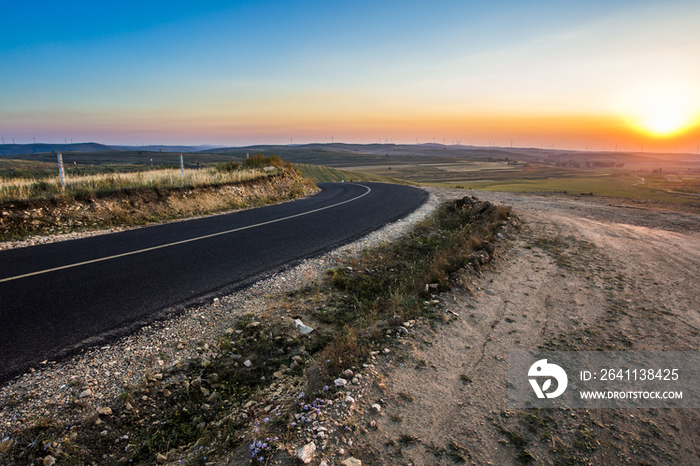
[
  {"x": 347, "y": 373},
  {"x": 306, "y": 453},
  {"x": 305, "y": 329},
  {"x": 351, "y": 462},
  {"x": 105, "y": 411},
  {"x": 85, "y": 393},
  {"x": 49, "y": 461},
  {"x": 349, "y": 399},
  {"x": 247, "y": 363},
  {"x": 377, "y": 408},
  {"x": 339, "y": 382}
]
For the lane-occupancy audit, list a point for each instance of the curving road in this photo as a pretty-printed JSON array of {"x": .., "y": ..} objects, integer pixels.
[{"x": 56, "y": 298}]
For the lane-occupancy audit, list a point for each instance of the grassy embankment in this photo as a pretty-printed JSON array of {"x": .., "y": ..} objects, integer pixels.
[
  {"x": 357, "y": 308},
  {"x": 42, "y": 206}
]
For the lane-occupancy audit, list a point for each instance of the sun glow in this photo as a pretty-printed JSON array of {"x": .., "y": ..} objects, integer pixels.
[{"x": 664, "y": 112}]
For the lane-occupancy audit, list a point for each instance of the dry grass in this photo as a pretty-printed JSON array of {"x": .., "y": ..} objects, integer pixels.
[{"x": 103, "y": 184}]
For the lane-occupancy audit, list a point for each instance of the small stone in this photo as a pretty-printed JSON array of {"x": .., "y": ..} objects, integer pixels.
[
  {"x": 213, "y": 398},
  {"x": 160, "y": 458},
  {"x": 278, "y": 375},
  {"x": 105, "y": 411},
  {"x": 84, "y": 394},
  {"x": 349, "y": 399},
  {"x": 306, "y": 453},
  {"x": 355, "y": 380},
  {"x": 373, "y": 424},
  {"x": 339, "y": 382},
  {"x": 304, "y": 329},
  {"x": 351, "y": 462},
  {"x": 377, "y": 408},
  {"x": 229, "y": 331},
  {"x": 49, "y": 461},
  {"x": 341, "y": 451},
  {"x": 347, "y": 373},
  {"x": 128, "y": 406},
  {"x": 6, "y": 444},
  {"x": 387, "y": 351},
  {"x": 165, "y": 392},
  {"x": 247, "y": 363}
]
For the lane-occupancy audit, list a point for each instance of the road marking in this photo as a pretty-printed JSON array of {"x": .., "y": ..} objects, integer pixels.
[{"x": 116, "y": 256}]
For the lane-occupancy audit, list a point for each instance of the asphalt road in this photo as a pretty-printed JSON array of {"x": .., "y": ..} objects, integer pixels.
[{"x": 58, "y": 298}]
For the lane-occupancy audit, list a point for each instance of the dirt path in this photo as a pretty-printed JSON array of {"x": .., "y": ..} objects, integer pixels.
[{"x": 581, "y": 275}]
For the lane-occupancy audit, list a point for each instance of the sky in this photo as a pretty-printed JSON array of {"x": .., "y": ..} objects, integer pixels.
[{"x": 562, "y": 74}]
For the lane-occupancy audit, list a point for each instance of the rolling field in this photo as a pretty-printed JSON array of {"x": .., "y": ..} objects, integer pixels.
[
  {"x": 619, "y": 184},
  {"x": 321, "y": 174}
]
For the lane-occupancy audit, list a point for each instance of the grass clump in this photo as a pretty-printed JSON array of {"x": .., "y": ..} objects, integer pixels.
[{"x": 394, "y": 283}]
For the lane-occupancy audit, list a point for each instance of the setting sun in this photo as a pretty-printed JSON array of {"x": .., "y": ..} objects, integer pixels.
[
  {"x": 664, "y": 112},
  {"x": 667, "y": 116}
]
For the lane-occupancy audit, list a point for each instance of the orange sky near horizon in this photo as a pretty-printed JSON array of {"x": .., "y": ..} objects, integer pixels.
[{"x": 582, "y": 75}]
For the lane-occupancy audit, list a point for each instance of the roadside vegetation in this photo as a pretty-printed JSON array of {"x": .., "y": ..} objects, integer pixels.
[
  {"x": 109, "y": 200},
  {"x": 395, "y": 283},
  {"x": 83, "y": 186},
  {"x": 205, "y": 405}
]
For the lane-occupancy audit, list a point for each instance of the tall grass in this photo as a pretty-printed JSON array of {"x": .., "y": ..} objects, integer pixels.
[{"x": 103, "y": 184}]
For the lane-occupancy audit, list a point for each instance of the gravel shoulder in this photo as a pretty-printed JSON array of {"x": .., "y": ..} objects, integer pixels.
[{"x": 582, "y": 273}]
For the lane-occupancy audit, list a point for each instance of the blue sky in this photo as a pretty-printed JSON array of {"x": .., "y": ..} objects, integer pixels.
[{"x": 253, "y": 72}]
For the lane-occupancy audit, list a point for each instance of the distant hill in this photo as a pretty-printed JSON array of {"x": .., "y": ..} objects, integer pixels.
[
  {"x": 25, "y": 149},
  {"x": 21, "y": 149},
  {"x": 187, "y": 149}
]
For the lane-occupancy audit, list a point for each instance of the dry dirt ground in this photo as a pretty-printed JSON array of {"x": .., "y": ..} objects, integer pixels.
[{"x": 583, "y": 274}]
